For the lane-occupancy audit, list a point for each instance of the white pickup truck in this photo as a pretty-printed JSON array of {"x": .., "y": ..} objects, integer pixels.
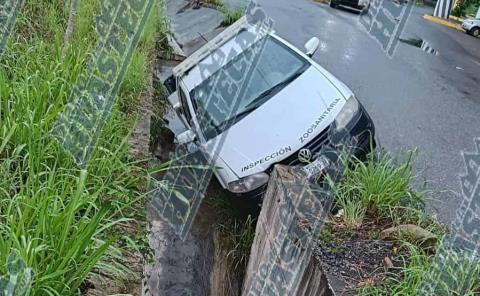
[
  {"x": 285, "y": 114},
  {"x": 472, "y": 26}
]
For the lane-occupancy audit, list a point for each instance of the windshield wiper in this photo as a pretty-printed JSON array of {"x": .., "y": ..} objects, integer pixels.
[
  {"x": 232, "y": 120},
  {"x": 277, "y": 87},
  {"x": 261, "y": 99}
]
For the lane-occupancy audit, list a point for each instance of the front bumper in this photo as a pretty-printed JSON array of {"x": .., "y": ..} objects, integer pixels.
[
  {"x": 361, "y": 129},
  {"x": 351, "y": 3},
  {"x": 467, "y": 26}
]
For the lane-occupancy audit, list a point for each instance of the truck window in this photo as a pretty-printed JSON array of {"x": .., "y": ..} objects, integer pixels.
[{"x": 276, "y": 66}]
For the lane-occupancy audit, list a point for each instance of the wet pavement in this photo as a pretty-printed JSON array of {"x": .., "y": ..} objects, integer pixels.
[
  {"x": 426, "y": 96},
  {"x": 416, "y": 99},
  {"x": 419, "y": 43}
]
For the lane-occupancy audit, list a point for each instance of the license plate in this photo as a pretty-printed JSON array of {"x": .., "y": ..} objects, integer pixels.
[{"x": 315, "y": 168}]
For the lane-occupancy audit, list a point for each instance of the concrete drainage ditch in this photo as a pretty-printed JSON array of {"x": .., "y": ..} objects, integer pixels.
[{"x": 203, "y": 264}]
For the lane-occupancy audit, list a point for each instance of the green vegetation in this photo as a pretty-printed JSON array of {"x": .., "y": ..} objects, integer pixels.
[
  {"x": 64, "y": 222},
  {"x": 236, "y": 228},
  {"x": 466, "y": 8},
  {"x": 231, "y": 15},
  {"x": 408, "y": 278},
  {"x": 379, "y": 186},
  {"x": 240, "y": 236},
  {"x": 380, "y": 191},
  {"x": 218, "y": 3}
]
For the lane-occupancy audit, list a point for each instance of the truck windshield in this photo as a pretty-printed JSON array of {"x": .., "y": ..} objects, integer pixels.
[{"x": 220, "y": 101}]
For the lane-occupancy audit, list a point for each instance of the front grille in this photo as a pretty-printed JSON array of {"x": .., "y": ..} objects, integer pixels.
[{"x": 314, "y": 146}]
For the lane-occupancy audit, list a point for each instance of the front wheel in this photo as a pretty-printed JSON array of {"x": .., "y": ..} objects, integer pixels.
[{"x": 475, "y": 31}]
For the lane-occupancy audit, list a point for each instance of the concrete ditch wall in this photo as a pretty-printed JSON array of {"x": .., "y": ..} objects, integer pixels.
[{"x": 281, "y": 260}]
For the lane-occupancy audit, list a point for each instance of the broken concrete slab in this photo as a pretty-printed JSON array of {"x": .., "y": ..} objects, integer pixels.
[
  {"x": 164, "y": 69},
  {"x": 411, "y": 232},
  {"x": 187, "y": 24},
  {"x": 236, "y": 4},
  {"x": 195, "y": 44}
]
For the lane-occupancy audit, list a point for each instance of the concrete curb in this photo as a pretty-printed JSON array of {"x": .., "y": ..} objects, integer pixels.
[
  {"x": 458, "y": 19},
  {"x": 442, "y": 22}
]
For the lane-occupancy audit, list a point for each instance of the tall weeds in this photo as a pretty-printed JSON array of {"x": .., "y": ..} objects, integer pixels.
[{"x": 60, "y": 220}]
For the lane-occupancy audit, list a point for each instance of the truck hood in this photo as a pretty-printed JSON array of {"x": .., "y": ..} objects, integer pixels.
[{"x": 281, "y": 126}]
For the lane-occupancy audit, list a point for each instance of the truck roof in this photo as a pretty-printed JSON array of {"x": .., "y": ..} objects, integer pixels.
[
  {"x": 203, "y": 63},
  {"x": 211, "y": 46}
]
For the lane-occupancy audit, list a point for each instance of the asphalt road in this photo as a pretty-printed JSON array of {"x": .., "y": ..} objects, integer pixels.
[{"x": 416, "y": 99}]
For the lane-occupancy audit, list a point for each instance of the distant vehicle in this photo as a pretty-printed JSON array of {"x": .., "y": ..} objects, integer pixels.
[
  {"x": 362, "y": 5},
  {"x": 287, "y": 113},
  {"x": 472, "y": 26}
]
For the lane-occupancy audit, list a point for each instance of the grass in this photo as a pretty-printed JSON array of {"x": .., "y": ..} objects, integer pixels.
[
  {"x": 235, "y": 226},
  {"x": 417, "y": 268},
  {"x": 353, "y": 211},
  {"x": 231, "y": 15},
  {"x": 218, "y": 3},
  {"x": 381, "y": 187},
  {"x": 60, "y": 220},
  {"x": 240, "y": 237},
  {"x": 406, "y": 280}
]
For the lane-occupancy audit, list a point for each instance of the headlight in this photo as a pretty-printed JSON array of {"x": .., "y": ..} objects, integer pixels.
[
  {"x": 348, "y": 112},
  {"x": 248, "y": 183}
]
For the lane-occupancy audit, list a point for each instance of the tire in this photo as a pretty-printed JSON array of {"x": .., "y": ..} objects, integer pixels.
[
  {"x": 475, "y": 32},
  {"x": 333, "y": 4}
]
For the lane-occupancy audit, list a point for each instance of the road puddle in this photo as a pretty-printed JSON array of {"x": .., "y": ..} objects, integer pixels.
[{"x": 422, "y": 44}]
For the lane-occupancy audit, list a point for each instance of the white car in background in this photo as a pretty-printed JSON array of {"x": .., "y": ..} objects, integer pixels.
[
  {"x": 472, "y": 26},
  {"x": 287, "y": 113},
  {"x": 362, "y": 5}
]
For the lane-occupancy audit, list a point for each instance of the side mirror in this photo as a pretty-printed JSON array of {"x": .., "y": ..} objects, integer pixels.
[
  {"x": 311, "y": 46},
  {"x": 174, "y": 100},
  {"x": 186, "y": 137}
]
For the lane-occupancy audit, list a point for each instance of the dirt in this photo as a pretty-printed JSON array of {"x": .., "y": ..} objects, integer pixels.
[
  {"x": 181, "y": 267},
  {"x": 355, "y": 261},
  {"x": 199, "y": 265},
  {"x": 355, "y": 256}
]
